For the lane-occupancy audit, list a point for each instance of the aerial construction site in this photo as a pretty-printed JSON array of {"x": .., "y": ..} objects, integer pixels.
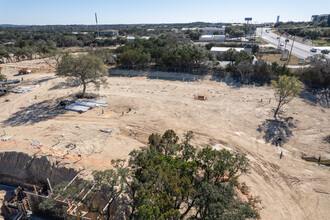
[
  {"x": 42, "y": 140},
  {"x": 201, "y": 116}
]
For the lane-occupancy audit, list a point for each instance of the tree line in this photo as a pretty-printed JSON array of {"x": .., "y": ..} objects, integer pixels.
[
  {"x": 243, "y": 69},
  {"x": 305, "y": 29},
  {"x": 162, "y": 52},
  {"x": 239, "y": 31}
]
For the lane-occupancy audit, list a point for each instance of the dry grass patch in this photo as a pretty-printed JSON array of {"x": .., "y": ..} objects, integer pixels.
[{"x": 276, "y": 58}]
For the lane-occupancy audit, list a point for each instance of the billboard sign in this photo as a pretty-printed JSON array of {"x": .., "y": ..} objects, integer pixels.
[{"x": 248, "y": 19}]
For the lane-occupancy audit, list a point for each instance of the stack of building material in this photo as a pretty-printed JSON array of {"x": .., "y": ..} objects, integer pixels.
[
  {"x": 87, "y": 104},
  {"x": 7, "y": 138},
  {"x": 22, "y": 90},
  {"x": 77, "y": 108},
  {"x": 83, "y": 106},
  {"x": 99, "y": 102}
]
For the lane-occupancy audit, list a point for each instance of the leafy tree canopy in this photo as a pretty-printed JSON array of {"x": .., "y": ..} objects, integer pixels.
[
  {"x": 171, "y": 180},
  {"x": 286, "y": 88},
  {"x": 88, "y": 69}
]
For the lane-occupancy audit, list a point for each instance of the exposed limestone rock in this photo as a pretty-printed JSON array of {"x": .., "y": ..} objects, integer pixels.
[{"x": 17, "y": 168}]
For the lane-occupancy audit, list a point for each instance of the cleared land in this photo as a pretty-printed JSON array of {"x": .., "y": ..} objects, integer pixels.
[{"x": 234, "y": 116}]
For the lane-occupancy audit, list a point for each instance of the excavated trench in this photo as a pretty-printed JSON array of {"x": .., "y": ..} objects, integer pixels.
[
  {"x": 32, "y": 170},
  {"x": 20, "y": 169}
]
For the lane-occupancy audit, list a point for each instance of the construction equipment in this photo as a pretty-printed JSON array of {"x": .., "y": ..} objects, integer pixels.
[{"x": 24, "y": 71}]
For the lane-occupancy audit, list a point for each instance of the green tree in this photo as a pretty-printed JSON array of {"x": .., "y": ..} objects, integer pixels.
[
  {"x": 87, "y": 69},
  {"x": 234, "y": 56},
  {"x": 286, "y": 88},
  {"x": 245, "y": 68},
  {"x": 194, "y": 35},
  {"x": 317, "y": 75},
  {"x": 54, "y": 57},
  {"x": 134, "y": 57},
  {"x": 105, "y": 55},
  {"x": 108, "y": 185},
  {"x": 170, "y": 179}
]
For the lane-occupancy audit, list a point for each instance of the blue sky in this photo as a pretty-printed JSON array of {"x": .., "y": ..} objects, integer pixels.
[{"x": 39, "y": 12}]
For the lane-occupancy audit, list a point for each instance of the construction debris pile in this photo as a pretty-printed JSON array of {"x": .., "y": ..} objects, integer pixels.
[{"x": 24, "y": 202}]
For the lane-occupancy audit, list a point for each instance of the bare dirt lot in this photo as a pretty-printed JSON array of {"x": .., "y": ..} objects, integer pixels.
[{"x": 234, "y": 116}]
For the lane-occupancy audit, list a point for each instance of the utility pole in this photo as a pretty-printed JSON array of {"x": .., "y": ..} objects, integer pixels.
[
  {"x": 97, "y": 26},
  {"x": 291, "y": 48},
  {"x": 260, "y": 41}
]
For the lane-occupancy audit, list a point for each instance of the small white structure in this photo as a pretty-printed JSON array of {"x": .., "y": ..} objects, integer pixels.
[
  {"x": 131, "y": 39},
  {"x": 219, "y": 37},
  {"x": 189, "y": 29},
  {"x": 212, "y": 38},
  {"x": 145, "y": 37},
  {"x": 206, "y": 38},
  {"x": 77, "y": 33}
]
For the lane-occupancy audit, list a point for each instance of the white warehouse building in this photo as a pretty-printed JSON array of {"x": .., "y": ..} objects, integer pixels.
[
  {"x": 219, "y": 50},
  {"x": 212, "y": 38}
]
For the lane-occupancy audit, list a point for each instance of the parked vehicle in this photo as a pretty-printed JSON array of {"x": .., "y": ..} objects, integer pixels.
[
  {"x": 281, "y": 44},
  {"x": 313, "y": 50},
  {"x": 24, "y": 71},
  {"x": 278, "y": 38},
  {"x": 324, "y": 51}
]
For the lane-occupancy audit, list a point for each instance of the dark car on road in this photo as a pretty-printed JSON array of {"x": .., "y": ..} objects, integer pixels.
[{"x": 324, "y": 51}]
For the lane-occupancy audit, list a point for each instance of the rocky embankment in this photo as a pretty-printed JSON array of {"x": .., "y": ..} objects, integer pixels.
[{"x": 19, "y": 169}]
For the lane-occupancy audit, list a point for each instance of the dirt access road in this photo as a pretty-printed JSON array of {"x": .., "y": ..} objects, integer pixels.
[{"x": 234, "y": 116}]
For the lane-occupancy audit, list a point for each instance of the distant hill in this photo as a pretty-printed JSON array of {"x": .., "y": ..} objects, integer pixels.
[
  {"x": 92, "y": 27},
  {"x": 12, "y": 25}
]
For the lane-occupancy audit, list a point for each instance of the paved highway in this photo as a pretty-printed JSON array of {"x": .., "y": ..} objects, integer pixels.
[{"x": 300, "y": 50}]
